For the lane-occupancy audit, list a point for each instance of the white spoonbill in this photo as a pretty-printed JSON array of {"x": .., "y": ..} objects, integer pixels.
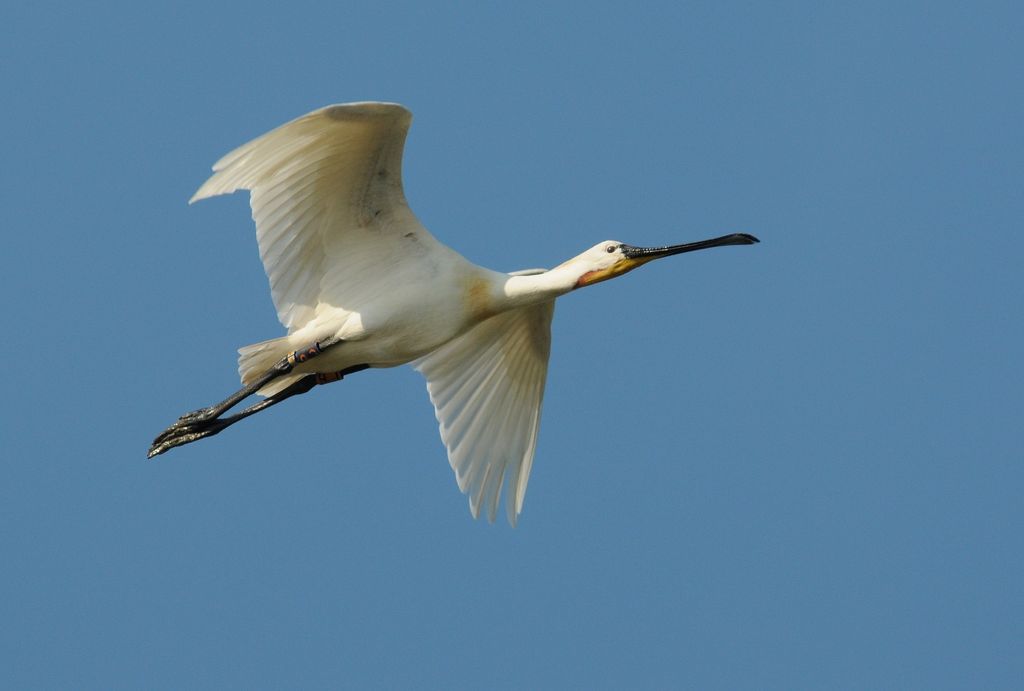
[{"x": 359, "y": 283}]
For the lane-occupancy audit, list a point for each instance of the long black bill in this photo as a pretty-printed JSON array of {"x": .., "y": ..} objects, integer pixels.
[{"x": 656, "y": 252}]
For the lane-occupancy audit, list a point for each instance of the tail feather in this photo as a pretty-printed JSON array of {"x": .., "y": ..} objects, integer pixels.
[{"x": 256, "y": 359}]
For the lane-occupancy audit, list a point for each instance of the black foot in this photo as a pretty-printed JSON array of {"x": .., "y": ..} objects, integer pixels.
[
  {"x": 182, "y": 432},
  {"x": 185, "y": 423},
  {"x": 206, "y": 423}
]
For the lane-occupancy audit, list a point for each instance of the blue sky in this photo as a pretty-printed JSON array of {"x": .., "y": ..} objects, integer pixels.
[{"x": 795, "y": 465}]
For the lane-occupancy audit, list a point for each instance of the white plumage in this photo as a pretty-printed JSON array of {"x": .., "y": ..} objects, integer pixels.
[{"x": 351, "y": 266}]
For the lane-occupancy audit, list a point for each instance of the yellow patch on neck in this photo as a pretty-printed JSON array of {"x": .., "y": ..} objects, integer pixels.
[{"x": 617, "y": 269}]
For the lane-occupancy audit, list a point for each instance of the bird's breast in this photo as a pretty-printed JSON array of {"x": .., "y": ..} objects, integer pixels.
[{"x": 417, "y": 317}]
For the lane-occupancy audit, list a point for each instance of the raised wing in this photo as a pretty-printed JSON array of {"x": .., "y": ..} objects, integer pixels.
[
  {"x": 487, "y": 387},
  {"x": 337, "y": 170}
]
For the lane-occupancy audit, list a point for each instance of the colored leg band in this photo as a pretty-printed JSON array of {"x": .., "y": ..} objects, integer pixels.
[
  {"x": 328, "y": 377},
  {"x": 300, "y": 356}
]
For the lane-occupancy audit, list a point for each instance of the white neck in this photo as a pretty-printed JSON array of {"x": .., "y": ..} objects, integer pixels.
[{"x": 519, "y": 291}]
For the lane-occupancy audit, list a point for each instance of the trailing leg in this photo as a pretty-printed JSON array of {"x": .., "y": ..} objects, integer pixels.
[
  {"x": 201, "y": 423},
  {"x": 282, "y": 367},
  {"x": 186, "y": 433},
  {"x": 179, "y": 434}
]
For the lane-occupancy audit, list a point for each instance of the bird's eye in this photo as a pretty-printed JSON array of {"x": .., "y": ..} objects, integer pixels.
[{"x": 610, "y": 248}]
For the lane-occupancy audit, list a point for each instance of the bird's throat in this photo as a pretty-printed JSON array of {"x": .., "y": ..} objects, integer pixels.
[{"x": 617, "y": 269}]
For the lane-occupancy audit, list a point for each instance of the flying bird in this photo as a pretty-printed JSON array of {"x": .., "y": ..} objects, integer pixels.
[{"x": 359, "y": 283}]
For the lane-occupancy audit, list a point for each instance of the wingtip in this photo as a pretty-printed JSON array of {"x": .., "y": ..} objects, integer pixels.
[
  {"x": 200, "y": 193},
  {"x": 208, "y": 190},
  {"x": 364, "y": 110}
]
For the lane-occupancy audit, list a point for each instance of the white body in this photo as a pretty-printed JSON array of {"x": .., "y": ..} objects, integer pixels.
[{"x": 347, "y": 259}]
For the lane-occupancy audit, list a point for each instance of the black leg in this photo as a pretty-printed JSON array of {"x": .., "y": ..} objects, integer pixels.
[
  {"x": 206, "y": 422},
  {"x": 185, "y": 433},
  {"x": 179, "y": 434},
  {"x": 282, "y": 367}
]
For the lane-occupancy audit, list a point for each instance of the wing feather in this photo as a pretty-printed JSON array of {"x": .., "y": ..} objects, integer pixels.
[
  {"x": 336, "y": 171},
  {"x": 487, "y": 387}
]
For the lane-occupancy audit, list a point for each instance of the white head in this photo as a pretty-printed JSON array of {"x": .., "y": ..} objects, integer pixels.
[{"x": 612, "y": 258}]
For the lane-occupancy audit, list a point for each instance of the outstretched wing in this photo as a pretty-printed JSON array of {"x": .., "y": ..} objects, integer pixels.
[
  {"x": 334, "y": 177},
  {"x": 487, "y": 387}
]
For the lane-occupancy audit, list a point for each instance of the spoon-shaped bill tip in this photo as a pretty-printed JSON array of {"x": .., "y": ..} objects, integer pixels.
[{"x": 743, "y": 239}]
